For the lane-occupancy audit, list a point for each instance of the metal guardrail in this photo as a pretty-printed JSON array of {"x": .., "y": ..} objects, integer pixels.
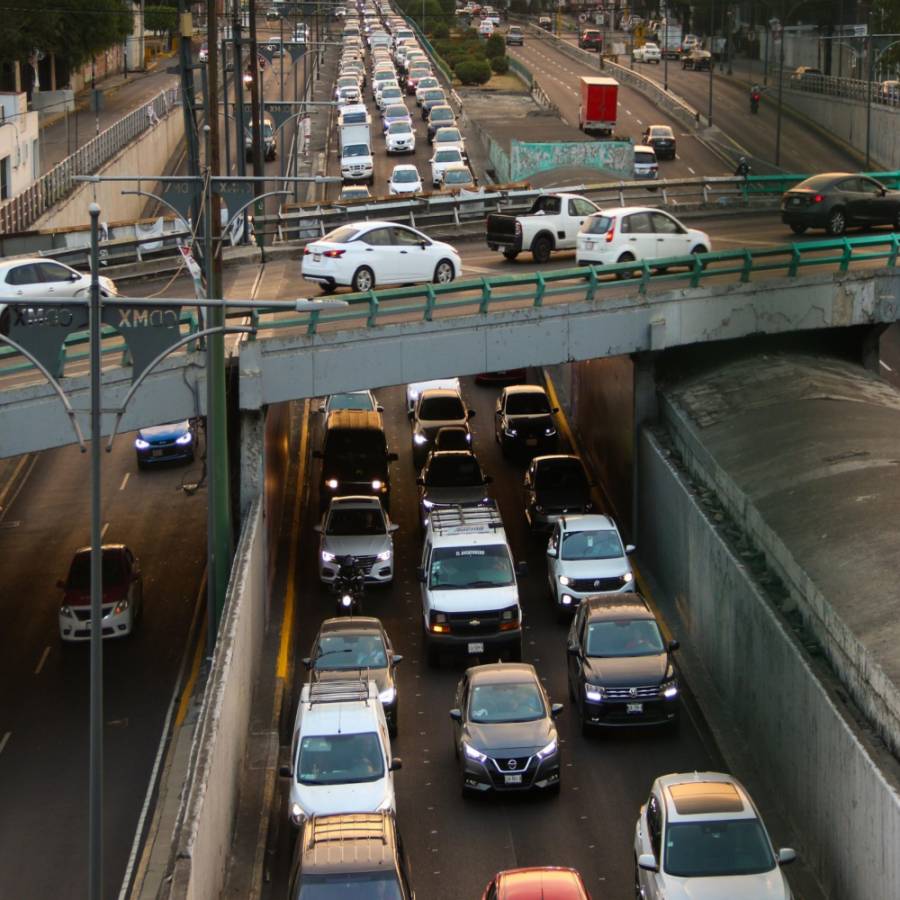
[
  {"x": 22, "y": 211},
  {"x": 832, "y": 86}
]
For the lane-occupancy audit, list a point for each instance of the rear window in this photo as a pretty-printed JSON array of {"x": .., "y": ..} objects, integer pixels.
[
  {"x": 644, "y": 157},
  {"x": 342, "y": 235},
  {"x": 599, "y": 224}
]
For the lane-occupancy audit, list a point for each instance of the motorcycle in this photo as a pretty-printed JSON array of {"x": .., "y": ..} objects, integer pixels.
[
  {"x": 754, "y": 101},
  {"x": 348, "y": 587}
]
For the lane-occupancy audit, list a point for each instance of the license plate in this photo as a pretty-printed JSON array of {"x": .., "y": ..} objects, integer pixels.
[
  {"x": 156, "y": 452},
  {"x": 795, "y": 201},
  {"x": 512, "y": 779},
  {"x": 634, "y": 707},
  {"x": 531, "y": 442},
  {"x": 476, "y": 646},
  {"x": 317, "y": 257},
  {"x": 589, "y": 245}
]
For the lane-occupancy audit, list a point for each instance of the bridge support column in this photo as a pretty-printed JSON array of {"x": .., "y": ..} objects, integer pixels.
[
  {"x": 870, "y": 349},
  {"x": 646, "y": 409},
  {"x": 253, "y": 456}
]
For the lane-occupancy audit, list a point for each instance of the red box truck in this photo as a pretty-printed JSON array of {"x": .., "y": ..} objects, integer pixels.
[{"x": 599, "y": 100}]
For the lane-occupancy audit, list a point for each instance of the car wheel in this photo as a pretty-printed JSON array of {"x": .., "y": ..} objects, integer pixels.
[
  {"x": 510, "y": 254},
  {"x": 4, "y": 321},
  {"x": 541, "y": 248},
  {"x": 363, "y": 280},
  {"x": 443, "y": 272},
  {"x": 625, "y": 273},
  {"x": 141, "y": 464},
  {"x": 799, "y": 229},
  {"x": 837, "y": 223}
]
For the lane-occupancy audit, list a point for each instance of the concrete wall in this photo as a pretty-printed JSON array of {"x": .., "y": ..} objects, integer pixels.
[
  {"x": 808, "y": 751},
  {"x": 527, "y": 158},
  {"x": 19, "y": 152},
  {"x": 203, "y": 836},
  {"x": 151, "y": 152}
]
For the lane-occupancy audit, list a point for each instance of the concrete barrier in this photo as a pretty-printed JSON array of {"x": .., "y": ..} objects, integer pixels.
[
  {"x": 835, "y": 786},
  {"x": 202, "y": 838}
]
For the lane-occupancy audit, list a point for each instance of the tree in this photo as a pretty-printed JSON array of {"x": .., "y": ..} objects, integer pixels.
[{"x": 161, "y": 18}]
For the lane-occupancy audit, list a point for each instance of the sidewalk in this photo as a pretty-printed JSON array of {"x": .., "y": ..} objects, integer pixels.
[{"x": 62, "y": 133}]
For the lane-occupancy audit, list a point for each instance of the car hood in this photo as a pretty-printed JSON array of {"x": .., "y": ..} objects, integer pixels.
[
  {"x": 766, "y": 886},
  {"x": 473, "y": 599},
  {"x": 112, "y": 593},
  {"x": 164, "y": 432},
  {"x": 355, "y": 544},
  {"x": 379, "y": 676},
  {"x": 448, "y": 495},
  {"x": 594, "y": 568},
  {"x": 544, "y": 419},
  {"x": 633, "y": 671},
  {"x": 563, "y": 498},
  {"x": 330, "y": 799},
  {"x": 513, "y": 738}
]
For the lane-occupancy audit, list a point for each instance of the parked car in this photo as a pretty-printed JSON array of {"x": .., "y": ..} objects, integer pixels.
[
  {"x": 662, "y": 139},
  {"x": 591, "y": 39},
  {"x": 504, "y": 733},
  {"x": 634, "y": 233},
  {"x": 523, "y": 420},
  {"x": 404, "y": 180},
  {"x": 165, "y": 443},
  {"x": 122, "y": 600},
  {"x": 544, "y": 883},
  {"x": 355, "y": 643},
  {"x": 366, "y": 254},
  {"x": 620, "y": 668},
  {"x": 837, "y": 201},
  {"x": 434, "y": 409},
  {"x": 451, "y": 478},
  {"x": 700, "y": 831},
  {"x": 515, "y": 37},
  {"x": 555, "y": 485}
]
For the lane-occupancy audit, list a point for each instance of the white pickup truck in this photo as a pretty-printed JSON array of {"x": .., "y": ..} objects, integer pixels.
[{"x": 552, "y": 223}]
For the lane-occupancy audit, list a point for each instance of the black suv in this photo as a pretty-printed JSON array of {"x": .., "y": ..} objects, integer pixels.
[
  {"x": 355, "y": 457},
  {"x": 555, "y": 486},
  {"x": 523, "y": 420},
  {"x": 620, "y": 668},
  {"x": 356, "y": 856},
  {"x": 451, "y": 478}
]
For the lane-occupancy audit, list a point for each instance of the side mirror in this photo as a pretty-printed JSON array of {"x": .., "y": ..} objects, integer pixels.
[
  {"x": 284, "y": 772},
  {"x": 392, "y": 457},
  {"x": 379, "y": 408},
  {"x": 556, "y": 709},
  {"x": 470, "y": 413},
  {"x": 317, "y": 528},
  {"x": 786, "y": 856},
  {"x": 75, "y": 276},
  {"x": 398, "y": 658},
  {"x": 488, "y": 479},
  {"x": 522, "y": 568},
  {"x": 630, "y": 548},
  {"x": 420, "y": 574},
  {"x": 551, "y": 552},
  {"x": 393, "y": 527},
  {"x": 396, "y": 764},
  {"x": 420, "y": 481},
  {"x": 555, "y": 410},
  {"x": 456, "y": 715},
  {"x": 410, "y": 414},
  {"x": 572, "y": 648},
  {"x": 307, "y": 662},
  {"x": 318, "y": 454},
  {"x": 673, "y": 646},
  {"x": 647, "y": 862}
]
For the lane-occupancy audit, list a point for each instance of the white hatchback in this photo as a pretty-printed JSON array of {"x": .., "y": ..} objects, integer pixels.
[
  {"x": 400, "y": 137},
  {"x": 366, "y": 254},
  {"x": 633, "y": 233},
  {"x": 449, "y": 136},
  {"x": 404, "y": 180}
]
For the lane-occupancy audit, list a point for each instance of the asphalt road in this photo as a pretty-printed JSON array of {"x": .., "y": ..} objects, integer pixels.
[{"x": 44, "y": 711}]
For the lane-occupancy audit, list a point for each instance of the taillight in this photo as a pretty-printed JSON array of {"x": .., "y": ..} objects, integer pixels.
[
  {"x": 818, "y": 199},
  {"x": 334, "y": 254},
  {"x": 518, "y": 228},
  {"x": 306, "y": 251},
  {"x": 611, "y": 232}
]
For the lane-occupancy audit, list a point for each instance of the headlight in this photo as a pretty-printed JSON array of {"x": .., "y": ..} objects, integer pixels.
[
  {"x": 564, "y": 580},
  {"x": 387, "y": 695},
  {"x": 669, "y": 689},
  {"x": 297, "y": 813},
  {"x": 347, "y": 601},
  {"x": 120, "y": 607},
  {"x": 186, "y": 438},
  {"x": 469, "y": 437},
  {"x": 550, "y": 431},
  {"x": 332, "y": 483},
  {"x": 510, "y": 432},
  {"x": 384, "y": 556},
  {"x": 141, "y": 444},
  {"x": 538, "y": 507},
  {"x": 327, "y": 557},
  {"x": 550, "y": 749},
  {"x": 420, "y": 439},
  {"x": 66, "y": 612},
  {"x": 427, "y": 504},
  {"x": 472, "y": 753},
  {"x": 594, "y": 693},
  {"x": 627, "y": 577},
  {"x": 377, "y": 485}
]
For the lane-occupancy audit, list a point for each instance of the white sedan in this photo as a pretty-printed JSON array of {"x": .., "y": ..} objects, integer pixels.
[
  {"x": 442, "y": 160},
  {"x": 449, "y": 136},
  {"x": 404, "y": 180},
  {"x": 400, "y": 138},
  {"x": 632, "y": 233},
  {"x": 366, "y": 254}
]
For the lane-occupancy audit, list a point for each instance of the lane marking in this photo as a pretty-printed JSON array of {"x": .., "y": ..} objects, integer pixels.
[
  {"x": 104, "y": 530},
  {"x": 30, "y": 460},
  {"x": 42, "y": 660},
  {"x": 185, "y": 701},
  {"x": 4, "y": 740},
  {"x": 124, "y": 481},
  {"x": 691, "y": 171},
  {"x": 884, "y": 365}
]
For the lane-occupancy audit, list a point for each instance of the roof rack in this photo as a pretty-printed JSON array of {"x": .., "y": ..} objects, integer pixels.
[
  {"x": 343, "y": 690},
  {"x": 466, "y": 519}
]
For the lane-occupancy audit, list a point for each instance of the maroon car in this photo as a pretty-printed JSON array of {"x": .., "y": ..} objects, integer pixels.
[{"x": 591, "y": 39}]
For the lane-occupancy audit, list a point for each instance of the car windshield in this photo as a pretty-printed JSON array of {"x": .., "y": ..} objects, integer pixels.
[
  {"x": 517, "y": 702},
  {"x": 428, "y": 83},
  {"x": 80, "y": 571},
  {"x": 644, "y": 157},
  {"x": 355, "y": 520},
  {"x": 635, "y": 637},
  {"x": 530, "y": 404},
  {"x": 592, "y": 545},
  {"x": 443, "y": 408},
  {"x": 350, "y": 651},
  {"x": 365, "y": 886},
  {"x": 452, "y": 439},
  {"x": 599, "y": 224},
  {"x": 471, "y": 567},
  {"x": 403, "y": 127},
  {"x": 350, "y": 400},
  {"x": 718, "y": 848},
  {"x": 356, "y": 150},
  {"x": 457, "y": 177},
  {"x": 560, "y": 475},
  {"x": 451, "y": 154},
  {"x": 339, "y": 759},
  {"x": 432, "y": 96},
  {"x": 347, "y": 445},
  {"x": 406, "y": 176},
  {"x": 398, "y": 110},
  {"x": 453, "y": 471}
]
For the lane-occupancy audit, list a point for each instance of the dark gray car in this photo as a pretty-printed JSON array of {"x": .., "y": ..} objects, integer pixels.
[
  {"x": 505, "y": 736},
  {"x": 451, "y": 478}
]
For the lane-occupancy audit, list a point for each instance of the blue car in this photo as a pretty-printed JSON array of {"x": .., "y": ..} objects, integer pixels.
[
  {"x": 396, "y": 112},
  {"x": 164, "y": 443}
]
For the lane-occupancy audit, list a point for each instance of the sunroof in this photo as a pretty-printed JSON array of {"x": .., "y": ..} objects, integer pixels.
[{"x": 699, "y": 798}]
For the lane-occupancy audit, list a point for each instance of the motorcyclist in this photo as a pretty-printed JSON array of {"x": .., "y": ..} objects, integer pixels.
[
  {"x": 755, "y": 96},
  {"x": 348, "y": 582},
  {"x": 743, "y": 168}
]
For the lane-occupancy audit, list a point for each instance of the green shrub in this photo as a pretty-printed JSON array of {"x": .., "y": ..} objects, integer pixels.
[
  {"x": 500, "y": 64},
  {"x": 473, "y": 71},
  {"x": 494, "y": 46},
  {"x": 440, "y": 32}
]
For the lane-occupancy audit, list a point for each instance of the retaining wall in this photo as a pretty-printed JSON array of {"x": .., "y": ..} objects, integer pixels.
[
  {"x": 805, "y": 747},
  {"x": 206, "y": 819}
]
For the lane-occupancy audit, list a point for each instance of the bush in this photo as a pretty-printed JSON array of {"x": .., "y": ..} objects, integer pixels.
[
  {"x": 473, "y": 71},
  {"x": 500, "y": 64},
  {"x": 494, "y": 46},
  {"x": 440, "y": 32}
]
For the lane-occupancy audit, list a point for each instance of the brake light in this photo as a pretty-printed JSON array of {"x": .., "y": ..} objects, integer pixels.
[
  {"x": 306, "y": 251},
  {"x": 611, "y": 232},
  {"x": 334, "y": 254},
  {"x": 818, "y": 199}
]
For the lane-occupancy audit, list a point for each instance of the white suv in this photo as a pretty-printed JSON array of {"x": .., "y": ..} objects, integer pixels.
[
  {"x": 699, "y": 834},
  {"x": 341, "y": 752},
  {"x": 357, "y": 527},
  {"x": 585, "y": 556}
]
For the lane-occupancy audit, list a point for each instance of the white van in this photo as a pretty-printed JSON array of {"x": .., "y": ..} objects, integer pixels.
[{"x": 486, "y": 28}]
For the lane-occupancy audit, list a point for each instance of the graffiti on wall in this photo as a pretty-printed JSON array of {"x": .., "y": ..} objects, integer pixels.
[{"x": 527, "y": 159}]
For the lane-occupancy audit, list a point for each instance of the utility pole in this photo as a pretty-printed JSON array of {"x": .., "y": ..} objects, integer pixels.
[
  {"x": 240, "y": 150},
  {"x": 256, "y": 113},
  {"x": 188, "y": 94}
]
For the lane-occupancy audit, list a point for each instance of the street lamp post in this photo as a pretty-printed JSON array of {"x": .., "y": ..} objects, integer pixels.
[
  {"x": 665, "y": 51},
  {"x": 780, "y": 76},
  {"x": 712, "y": 65}
]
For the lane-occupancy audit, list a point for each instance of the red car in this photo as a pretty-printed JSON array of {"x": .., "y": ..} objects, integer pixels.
[
  {"x": 591, "y": 39},
  {"x": 545, "y": 883}
]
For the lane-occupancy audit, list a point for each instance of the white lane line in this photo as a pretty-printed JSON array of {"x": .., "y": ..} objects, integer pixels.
[
  {"x": 742, "y": 241},
  {"x": 691, "y": 171},
  {"x": 124, "y": 481},
  {"x": 103, "y": 532},
  {"x": 4, "y": 739},
  {"x": 628, "y": 111},
  {"x": 481, "y": 270},
  {"x": 884, "y": 365},
  {"x": 42, "y": 660}
]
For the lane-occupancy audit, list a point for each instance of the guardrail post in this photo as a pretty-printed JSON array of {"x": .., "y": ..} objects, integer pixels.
[
  {"x": 846, "y": 256},
  {"x": 795, "y": 262},
  {"x": 747, "y": 267},
  {"x": 697, "y": 271},
  {"x": 591, "y": 284},
  {"x": 895, "y": 246},
  {"x": 645, "y": 278},
  {"x": 429, "y": 302},
  {"x": 539, "y": 293},
  {"x": 485, "y": 295},
  {"x": 373, "y": 310},
  {"x": 311, "y": 327}
]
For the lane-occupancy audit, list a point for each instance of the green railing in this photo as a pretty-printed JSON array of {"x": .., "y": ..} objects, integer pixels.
[{"x": 521, "y": 70}]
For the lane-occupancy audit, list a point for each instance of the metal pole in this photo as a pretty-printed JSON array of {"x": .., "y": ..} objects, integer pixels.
[
  {"x": 780, "y": 75},
  {"x": 730, "y": 20},
  {"x": 666, "y": 51},
  {"x": 225, "y": 125},
  {"x": 95, "y": 816},
  {"x": 281, "y": 78},
  {"x": 766, "y": 63},
  {"x": 256, "y": 108},
  {"x": 185, "y": 30},
  {"x": 868, "y": 89},
  {"x": 840, "y": 46},
  {"x": 712, "y": 65}
]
